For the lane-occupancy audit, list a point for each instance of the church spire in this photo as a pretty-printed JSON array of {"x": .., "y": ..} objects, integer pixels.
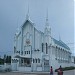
[
  {"x": 59, "y": 38},
  {"x": 17, "y": 30},
  {"x": 47, "y": 23},
  {"x": 27, "y": 16},
  {"x": 47, "y": 15},
  {"x": 47, "y": 26}
]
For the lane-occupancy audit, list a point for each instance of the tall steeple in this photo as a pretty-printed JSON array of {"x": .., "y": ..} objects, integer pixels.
[
  {"x": 47, "y": 23},
  {"x": 47, "y": 26},
  {"x": 17, "y": 30},
  {"x": 27, "y": 16},
  {"x": 59, "y": 37},
  {"x": 47, "y": 32}
]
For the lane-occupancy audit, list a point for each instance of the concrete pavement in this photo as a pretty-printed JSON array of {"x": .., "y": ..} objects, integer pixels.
[{"x": 71, "y": 72}]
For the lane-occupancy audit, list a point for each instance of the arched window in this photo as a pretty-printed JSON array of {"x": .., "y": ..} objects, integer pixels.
[
  {"x": 42, "y": 47},
  {"x": 27, "y": 52},
  {"x": 33, "y": 61},
  {"x": 46, "y": 49},
  {"x": 21, "y": 52},
  {"x": 38, "y": 60}
]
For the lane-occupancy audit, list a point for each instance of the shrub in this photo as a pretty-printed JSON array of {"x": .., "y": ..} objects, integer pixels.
[{"x": 66, "y": 68}]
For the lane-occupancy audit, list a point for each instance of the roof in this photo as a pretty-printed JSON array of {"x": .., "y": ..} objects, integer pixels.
[
  {"x": 60, "y": 43},
  {"x": 27, "y": 20}
]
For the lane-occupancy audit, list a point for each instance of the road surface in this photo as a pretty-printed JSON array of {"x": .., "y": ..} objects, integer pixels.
[{"x": 71, "y": 72}]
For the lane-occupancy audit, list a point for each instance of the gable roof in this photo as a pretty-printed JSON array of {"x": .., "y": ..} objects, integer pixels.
[
  {"x": 61, "y": 43},
  {"x": 27, "y": 20}
]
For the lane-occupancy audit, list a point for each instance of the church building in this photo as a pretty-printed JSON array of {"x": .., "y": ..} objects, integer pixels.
[{"x": 35, "y": 50}]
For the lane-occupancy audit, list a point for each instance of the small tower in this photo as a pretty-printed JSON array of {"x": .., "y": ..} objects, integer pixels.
[{"x": 47, "y": 31}]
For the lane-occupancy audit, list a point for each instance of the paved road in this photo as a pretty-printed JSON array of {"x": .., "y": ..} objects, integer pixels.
[
  {"x": 72, "y": 72},
  {"x": 69, "y": 72}
]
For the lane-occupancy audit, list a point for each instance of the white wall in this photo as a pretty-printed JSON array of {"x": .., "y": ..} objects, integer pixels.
[{"x": 24, "y": 69}]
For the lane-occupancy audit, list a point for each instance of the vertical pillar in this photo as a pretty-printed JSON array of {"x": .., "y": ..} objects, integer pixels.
[{"x": 32, "y": 65}]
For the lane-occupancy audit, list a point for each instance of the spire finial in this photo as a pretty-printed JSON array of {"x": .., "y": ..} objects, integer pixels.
[
  {"x": 17, "y": 30},
  {"x": 47, "y": 24},
  {"x": 47, "y": 15},
  {"x": 27, "y": 16},
  {"x": 59, "y": 38}
]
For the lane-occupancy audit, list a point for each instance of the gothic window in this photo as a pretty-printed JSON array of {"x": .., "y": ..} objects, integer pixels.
[
  {"x": 33, "y": 61},
  {"x": 56, "y": 52},
  {"x": 38, "y": 60},
  {"x": 42, "y": 47},
  {"x": 27, "y": 52},
  {"x": 46, "y": 49},
  {"x": 28, "y": 62},
  {"x": 21, "y": 52},
  {"x": 21, "y": 60}
]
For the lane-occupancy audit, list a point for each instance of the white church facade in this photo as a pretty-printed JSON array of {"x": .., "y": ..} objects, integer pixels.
[{"x": 35, "y": 50}]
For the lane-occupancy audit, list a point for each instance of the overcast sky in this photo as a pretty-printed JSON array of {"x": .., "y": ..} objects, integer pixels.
[{"x": 13, "y": 14}]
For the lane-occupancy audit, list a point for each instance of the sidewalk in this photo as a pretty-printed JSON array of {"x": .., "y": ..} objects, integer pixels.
[
  {"x": 38, "y": 73},
  {"x": 70, "y": 72}
]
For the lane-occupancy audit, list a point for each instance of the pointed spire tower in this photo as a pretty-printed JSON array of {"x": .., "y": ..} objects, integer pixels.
[
  {"x": 47, "y": 23},
  {"x": 59, "y": 37},
  {"x": 17, "y": 30},
  {"x": 27, "y": 16},
  {"x": 47, "y": 26},
  {"x": 47, "y": 31}
]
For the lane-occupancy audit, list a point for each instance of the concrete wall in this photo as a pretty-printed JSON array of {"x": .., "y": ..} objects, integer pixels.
[
  {"x": 24, "y": 69},
  {"x": 39, "y": 68},
  {"x": 5, "y": 67}
]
